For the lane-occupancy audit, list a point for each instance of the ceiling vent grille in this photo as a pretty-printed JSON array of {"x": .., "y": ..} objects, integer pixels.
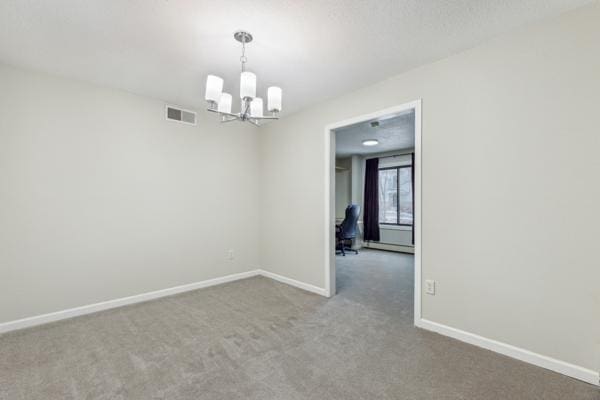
[{"x": 180, "y": 115}]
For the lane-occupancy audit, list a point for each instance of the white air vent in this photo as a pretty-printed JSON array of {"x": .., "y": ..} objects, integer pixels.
[{"x": 180, "y": 115}]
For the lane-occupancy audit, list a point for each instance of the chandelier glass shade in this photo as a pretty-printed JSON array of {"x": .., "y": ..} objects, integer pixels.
[{"x": 251, "y": 106}]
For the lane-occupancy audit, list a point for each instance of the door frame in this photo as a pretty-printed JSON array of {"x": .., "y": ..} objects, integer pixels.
[{"x": 329, "y": 256}]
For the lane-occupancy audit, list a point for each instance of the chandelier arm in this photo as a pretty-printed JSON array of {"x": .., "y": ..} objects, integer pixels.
[
  {"x": 223, "y": 113},
  {"x": 230, "y": 114},
  {"x": 259, "y": 118},
  {"x": 226, "y": 119}
]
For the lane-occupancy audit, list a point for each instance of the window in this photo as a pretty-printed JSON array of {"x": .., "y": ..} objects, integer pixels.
[{"x": 395, "y": 196}]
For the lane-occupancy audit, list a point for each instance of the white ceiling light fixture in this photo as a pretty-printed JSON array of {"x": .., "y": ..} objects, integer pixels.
[
  {"x": 370, "y": 142},
  {"x": 251, "y": 109}
]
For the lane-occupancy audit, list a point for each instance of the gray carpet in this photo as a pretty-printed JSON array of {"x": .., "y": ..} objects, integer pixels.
[{"x": 259, "y": 339}]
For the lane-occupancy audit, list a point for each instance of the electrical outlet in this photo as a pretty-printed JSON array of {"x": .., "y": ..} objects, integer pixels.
[
  {"x": 230, "y": 255},
  {"x": 430, "y": 287}
]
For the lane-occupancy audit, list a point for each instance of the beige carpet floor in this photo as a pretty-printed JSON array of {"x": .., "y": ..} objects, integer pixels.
[{"x": 259, "y": 339}]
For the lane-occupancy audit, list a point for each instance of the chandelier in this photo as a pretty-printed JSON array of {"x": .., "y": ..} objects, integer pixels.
[{"x": 251, "y": 109}]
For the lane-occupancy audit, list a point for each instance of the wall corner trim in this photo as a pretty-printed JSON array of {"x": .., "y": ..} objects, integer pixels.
[
  {"x": 293, "y": 282},
  {"x": 562, "y": 367},
  {"x": 139, "y": 298}
]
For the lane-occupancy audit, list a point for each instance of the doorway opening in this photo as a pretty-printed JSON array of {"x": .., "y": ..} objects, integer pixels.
[{"x": 373, "y": 196}]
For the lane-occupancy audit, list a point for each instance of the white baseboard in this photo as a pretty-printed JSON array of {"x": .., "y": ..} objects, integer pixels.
[
  {"x": 555, "y": 365},
  {"x": 562, "y": 367},
  {"x": 293, "y": 282},
  {"x": 106, "y": 305},
  {"x": 390, "y": 247},
  {"x": 124, "y": 301}
]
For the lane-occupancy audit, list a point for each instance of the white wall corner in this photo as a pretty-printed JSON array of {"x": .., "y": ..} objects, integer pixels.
[
  {"x": 562, "y": 367},
  {"x": 293, "y": 282},
  {"x": 139, "y": 298}
]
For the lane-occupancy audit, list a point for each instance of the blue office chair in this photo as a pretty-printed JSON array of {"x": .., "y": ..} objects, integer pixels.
[{"x": 347, "y": 230}]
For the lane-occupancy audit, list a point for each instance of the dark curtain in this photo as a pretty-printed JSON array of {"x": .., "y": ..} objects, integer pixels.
[
  {"x": 412, "y": 190},
  {"x": 371, "y": 202}
]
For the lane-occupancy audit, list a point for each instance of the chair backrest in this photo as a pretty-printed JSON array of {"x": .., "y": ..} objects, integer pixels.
[{"x": 349, "y": 227}]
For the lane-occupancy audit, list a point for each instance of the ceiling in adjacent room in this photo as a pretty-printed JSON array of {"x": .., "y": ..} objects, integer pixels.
[
  {"x": 393, "y": 133},
  {"x": 314, "y": 50}
]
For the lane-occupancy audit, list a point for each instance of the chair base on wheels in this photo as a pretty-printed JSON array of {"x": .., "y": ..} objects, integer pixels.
[{"x": 343, "y": 248}]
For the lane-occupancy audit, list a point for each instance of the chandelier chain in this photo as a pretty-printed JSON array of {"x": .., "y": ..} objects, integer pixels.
[{"x": 243, "y": 58}]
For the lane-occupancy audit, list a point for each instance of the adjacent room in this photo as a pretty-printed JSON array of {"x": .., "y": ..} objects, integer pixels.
[
  {"x": 299, "y": 200},
  {"x": 374, "y": 211}
]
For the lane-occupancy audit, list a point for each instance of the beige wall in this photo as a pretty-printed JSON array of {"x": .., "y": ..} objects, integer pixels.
[
  {"x": 102, "y": 198},
  {"x": 511, "y": 137}
]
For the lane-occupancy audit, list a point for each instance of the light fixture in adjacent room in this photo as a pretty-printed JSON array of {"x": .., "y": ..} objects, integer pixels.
[
  {"x": 251, "y": 108},
  {"x": 370, "y": 142}
]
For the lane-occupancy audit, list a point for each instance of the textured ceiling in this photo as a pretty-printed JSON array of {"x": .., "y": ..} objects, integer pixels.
[
  {"x": 313, "y": 49},
  {"x": 392, "y": 133}
]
